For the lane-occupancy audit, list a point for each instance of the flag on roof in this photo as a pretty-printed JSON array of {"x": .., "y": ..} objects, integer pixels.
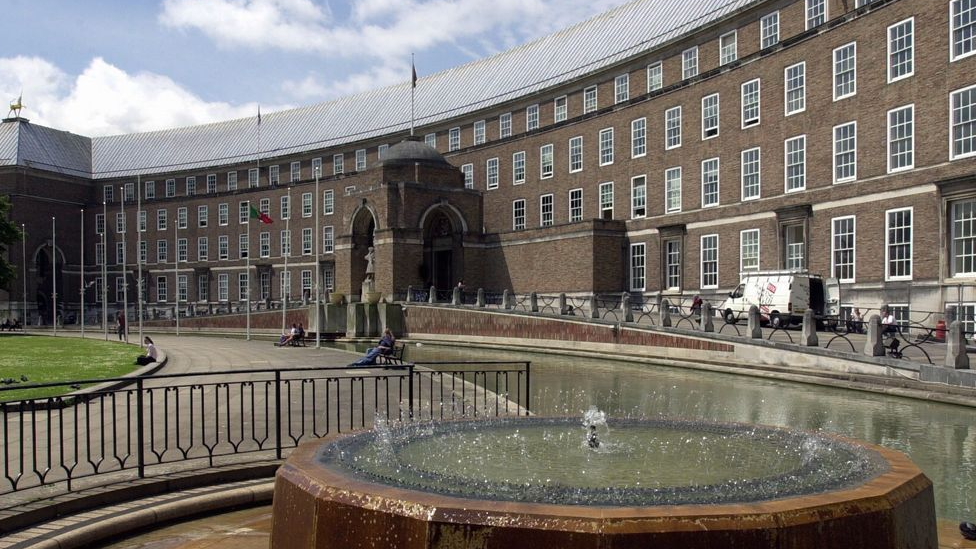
[
  {"x": 260, "y": 216},
  {"x": 259, "y": 115},
  {"x": 413, "y": 67}
]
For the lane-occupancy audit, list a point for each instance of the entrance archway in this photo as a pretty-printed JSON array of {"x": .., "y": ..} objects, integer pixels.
[{"x": 443, "y": 263}]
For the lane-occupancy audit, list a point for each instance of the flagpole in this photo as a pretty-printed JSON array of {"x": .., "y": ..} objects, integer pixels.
[
  {"x": 247, "y": 271},
  {"x": 176, "y": 267},
  {"x": 105, "y": 268},
  {"x": 23, "y": 244},
  {"x": 125, "y": 273},
  {"x": 284, "y": 275},
  {"x": 139, "y": 252},
  {"x": 413, "y": 89},
  {"x": 54, "y": 274},
  {"x": 318, "y": 274},
  {"x": 82, "y": 277}
]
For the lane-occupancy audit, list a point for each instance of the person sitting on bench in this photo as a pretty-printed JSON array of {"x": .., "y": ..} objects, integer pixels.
[{"x": 384, "y": 347}]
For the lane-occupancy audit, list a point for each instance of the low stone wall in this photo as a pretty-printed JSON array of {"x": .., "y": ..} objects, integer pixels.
[{"x": 264, "y": 320}]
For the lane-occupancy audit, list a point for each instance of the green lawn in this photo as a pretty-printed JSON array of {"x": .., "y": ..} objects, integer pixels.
[{"x": 45, "y": 359}]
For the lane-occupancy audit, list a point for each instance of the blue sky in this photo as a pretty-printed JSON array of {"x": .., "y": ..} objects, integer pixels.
[{"x": 103, "y": 67}]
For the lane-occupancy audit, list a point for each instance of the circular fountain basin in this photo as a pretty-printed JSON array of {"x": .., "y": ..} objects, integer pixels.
[{"x": 527, "y": 481}]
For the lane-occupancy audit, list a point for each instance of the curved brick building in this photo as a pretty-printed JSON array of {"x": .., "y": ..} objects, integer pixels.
[{"x": 660, "y": 148}]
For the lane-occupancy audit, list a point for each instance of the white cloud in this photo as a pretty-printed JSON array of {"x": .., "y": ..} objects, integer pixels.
[{"x": 105, "y": 100}]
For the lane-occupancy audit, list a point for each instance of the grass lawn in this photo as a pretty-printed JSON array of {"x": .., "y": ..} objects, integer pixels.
[{"x": 45, "y": 359}]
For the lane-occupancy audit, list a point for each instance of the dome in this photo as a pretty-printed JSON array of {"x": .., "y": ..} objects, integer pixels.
[{"x": 413, "y": 150}]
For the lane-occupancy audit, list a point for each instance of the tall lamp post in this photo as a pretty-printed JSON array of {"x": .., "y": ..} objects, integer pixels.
[
  {"x": 105, "y": 268},
  {"x": 285, "y": 277},
  {"x": 54, "y": 274},
  {"x": 318, "y": 274},
  {"x": 125, "y": 275},
  {"x": 23, "y": 243},
  {"x": 81, "y": 314}
]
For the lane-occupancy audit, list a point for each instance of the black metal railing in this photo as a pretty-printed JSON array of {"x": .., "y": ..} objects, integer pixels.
[{"x": 216, "y": 418}]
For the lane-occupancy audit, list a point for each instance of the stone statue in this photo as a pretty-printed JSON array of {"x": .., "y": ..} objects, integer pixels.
[{"x": 370, "y": 267}]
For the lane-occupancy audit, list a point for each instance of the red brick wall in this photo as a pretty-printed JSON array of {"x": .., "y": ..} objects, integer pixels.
[
  {"x": 263, "y": 320},
  {"x": 449, "y": 321}
]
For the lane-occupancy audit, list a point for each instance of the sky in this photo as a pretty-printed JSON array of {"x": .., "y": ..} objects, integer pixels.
[{"x": 105, "y": 67}]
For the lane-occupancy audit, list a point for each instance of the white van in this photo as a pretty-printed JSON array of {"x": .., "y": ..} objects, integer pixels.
[{"x": 782, "y": 296}]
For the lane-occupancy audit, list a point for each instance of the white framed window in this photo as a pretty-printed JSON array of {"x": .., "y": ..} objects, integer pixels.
[
  {"x": 575, "y": 205},
  {"x": 655, "y": 77},
  {"x": 965, "y": 313},
  {"x": 161, "y": 220},
  {"x": 307, "y": 247},
  {"x": 845, "y": 152},
  {"x": 545, "y": 161},
  {"x": 710, "y": 116},
  {"x": 901, "y": 138},
  {"x": 170, "y": 188},
  {"x": 119, "y": 253},
  {"x": 638, "y": 265},
  {"x": 253, "y": 178},
  {"x": 360, "y": 160},
  {"x": 181, "y": 217},
  {"x": 161, "y": 290},
  {"x": 243, "y": 245},
  {"x": 264, "y": 244},
  {"x": 430, "y": 140},
  {"x": 749, "y": 250},
  {"x": 559, "y": 109},
  {"x": 842, "y": 253},
  {"x": 306, "y": 281},
  {"x": 710, "y": 182},
  {"x": 223, "y": 214},
  {"x": 182, "y": 250},
  {"x": 606, "y": 146},
  {"x": 264, "y": 285},
  {"x": 795, "y": 84},
  {"x": 751, "y": 170},
  {"x": 317, "y": 167},
  {"x": 606, "y": 200},
  {"x": 119, "y": 222},
  {"x": 750, "y": 103},
  {"x": 795, "y": 163},
  {"x": 150, "y": 190},
  {"x": 545, "y": 210},
  {"x": 769, "y": 30},
  {"x": 223, "y": 247},
  {"x": 491, "y": 173},
  {"x": 638, "y": 138},
  {"x": 108, "y": 193},
  {"x": 531, "y": 117},
  {"x": 328, "y": 202},
  {"x": 962, "y": 122},
  {"x": 962, "y": 252},
  {"x": 962, "y": 23},
  {"x": 203, "y": 248},
  {"x": 845, "y": 71},
  {"x": 589, "y": 99},
  {"x": 143, "y": 220},
  {"x": 505, "y": 125},
  {"x": 638, "y": 196},
  {"x": 328, "y": 240},
  {"x": 454, "y": 139},
  {"x": 518, "y": 168},
  {"x": 672, "y": 128},
  {"x": 203, "y": 215},
  {"x": 901, "y": 50},
  {"x": 243, "y": 212},
  {"x": 203, "y": 288},
  {"x": 518, "y": 214},
  {"x": 816, "y": 13},
  {"x": 689, "y": 63},
  {"x": 284, "y": 284},
  {"x": 295, "y": 172},
  {"x": 162, "y": 251},
  {"x": 672, "y": 264},
  {"x": 130, "y": 192},
  {"x": 468, "y": 171},
  {"x": 576, "y": 154},
  {"x": 274, "y": 177},
  {"x": 621, "y": 88},
  {"x": 307, "y": 199},
  {"x": 338, "y": 162},
  {"x": 211, "y": 183},
  {"x": 285, "y": 210},
  {"x": 727, "y": 48},
  {"x": 709, "y": 261},
  {"x": 672, "y": 190},
  {"x": 284, "y": 243},
  {"x": 231, "y": 181},
  {"x": 794, "y": 246},
  {"x": 380, "y": 151},
  {"x": 182, "y": 282},
  {"x": 328, "y": 277},
  {"x": 243, "y": 287},
  {"x": 479, "y": 132},
  {"x": 898, "y": 244}
]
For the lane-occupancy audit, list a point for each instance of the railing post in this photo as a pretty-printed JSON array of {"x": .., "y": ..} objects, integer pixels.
[
  {"x": 481, "y": 297},
  {"x": 278, "y": 414},
  {"x": 594, "y": 308},
  {"x": 956, "y": 356},
  {"x": 528, "y": 386},
  {"x": 706, "y": 324},
  {"x": 409, "y": 294},
  {"x": 140, "y": 430},
  {"x": 628, "y": 313},
  {"x": 506, "y": 301},
  {"x": 664, "y": 311},
  {"x": 810, "y": 329},
  {"x": 873, "y": 345},
  {"x": 534, "y": 302},
  {"x": 755, "y": 324},
  {"x": 562, "y": 304},
  {"x": 432, "y": 297},
  {"x": 456, "y": 296},
  {"x": 410, "y": 391}
]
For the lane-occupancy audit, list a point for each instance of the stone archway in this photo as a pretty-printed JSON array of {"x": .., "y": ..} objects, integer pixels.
[
  {"x": 46, "y": 271},
  {"x": 363, "y": 234},
  {"x": 443, "y": 264}
]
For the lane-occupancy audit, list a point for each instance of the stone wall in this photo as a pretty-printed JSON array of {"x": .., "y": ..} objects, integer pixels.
[{"x": 264, "y": 320}]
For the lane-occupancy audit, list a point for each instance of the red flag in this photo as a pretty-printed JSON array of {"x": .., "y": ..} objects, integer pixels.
[{"x": 261, "y": 216}]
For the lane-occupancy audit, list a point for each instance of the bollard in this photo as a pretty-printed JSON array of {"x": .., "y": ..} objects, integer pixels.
[
  {"x": 755, "y": 323},
  {"x": 628, "y": 313},
  {"x": 456, "y": 296},
  {"x": 664, "y": 312},
  {"x": 873, "y": 346},
  {"x": 506, "y": 300},
  {"x": 594, "y": 308},
  {"x": 810, "y": 329},
  {"x": 534, "y": 302},
  {"x": 481, "y": 297},
  {"x": 432, "y": 297},
  {"x": 409, "y": 294},
  {"x": 956, "y": 356},
  {"x": 706, "y": 324},
  {"x": 562, "y": 304}
]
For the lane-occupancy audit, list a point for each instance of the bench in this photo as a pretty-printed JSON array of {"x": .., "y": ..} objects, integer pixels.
[
  {"x": 298, "y": 341},
  {"x": 394, "y": 357}
]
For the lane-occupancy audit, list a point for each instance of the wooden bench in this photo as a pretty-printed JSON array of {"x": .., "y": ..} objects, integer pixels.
[{"x": 395, "y": 356}]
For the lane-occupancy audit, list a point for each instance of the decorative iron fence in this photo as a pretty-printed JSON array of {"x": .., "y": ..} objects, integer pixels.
[{"x": 216, "y": 418}]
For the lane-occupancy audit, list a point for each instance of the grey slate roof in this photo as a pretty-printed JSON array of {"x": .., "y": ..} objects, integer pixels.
[
  {"x": 609, "y": 38},
  {"x": 26, "y": 144}
]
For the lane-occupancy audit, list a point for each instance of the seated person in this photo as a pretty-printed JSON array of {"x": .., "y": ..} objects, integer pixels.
[
  {"x": 288, "y": 336},
  {"x": 855, "y": 323},
  {"x": 384, "y": 347},
  {"x": 151, "y": 353},
  {"x": 888, "y": 325},
  {"x": 301, "y": 332},
  {"x": 6, "y": 325}
]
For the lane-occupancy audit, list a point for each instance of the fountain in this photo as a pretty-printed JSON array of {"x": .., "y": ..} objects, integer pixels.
[{"x": 541, "y": 482}]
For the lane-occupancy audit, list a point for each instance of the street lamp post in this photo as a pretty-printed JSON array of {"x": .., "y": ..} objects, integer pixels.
[
  {"x": 81, "y": 317},
  {"x": 54, "y": 274},
  {"x": 23, "y": 243},
  {"x": 125, "y": 275},
  {"x": 318, "y": 274}
]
